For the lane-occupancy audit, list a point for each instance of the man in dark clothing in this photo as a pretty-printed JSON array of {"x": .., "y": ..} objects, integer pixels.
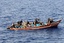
[
  {"x": 50, "y": 20},
  {"x": 21, "y": 22}
]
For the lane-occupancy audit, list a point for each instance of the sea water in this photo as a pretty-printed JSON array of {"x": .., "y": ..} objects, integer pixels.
[{"x": 12, "y": 11}]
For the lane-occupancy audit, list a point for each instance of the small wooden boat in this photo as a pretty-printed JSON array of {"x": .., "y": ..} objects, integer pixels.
[{"x": 54, "y": 24}]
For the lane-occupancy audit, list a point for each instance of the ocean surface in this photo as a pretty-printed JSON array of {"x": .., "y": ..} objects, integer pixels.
[{"x": 12, "y": 11}]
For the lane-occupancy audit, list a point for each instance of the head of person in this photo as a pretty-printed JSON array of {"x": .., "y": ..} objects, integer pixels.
[
  {"x": 18, "y": 22},
  {"x": 21, "y": 21},
  {"x": 27, "y": 22},
  {"x": 50, "y": 19},
  {"x": 37, "y": 20}
]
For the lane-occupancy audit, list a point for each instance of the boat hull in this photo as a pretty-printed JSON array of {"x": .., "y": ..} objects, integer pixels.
[{"x": 54, "y": 24}]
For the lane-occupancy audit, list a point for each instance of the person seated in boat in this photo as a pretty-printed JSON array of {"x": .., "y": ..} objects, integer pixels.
[
  {"x": 32, "y": 24},
  {"x": 17, "y": 25},
  {"x": 37, "y": 22},
  {"x": 50, "y": 20},
  {"x": 24, "y": 24},
  {"x": 42, "y": 24},
  {"x": 28, "y": 24},
  {"x": 13, "y": 25},
  {"x": 20, "y": 22}
]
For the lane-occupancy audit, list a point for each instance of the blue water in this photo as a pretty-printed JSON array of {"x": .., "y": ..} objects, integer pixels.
[{"x": 12, "y": 11}]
